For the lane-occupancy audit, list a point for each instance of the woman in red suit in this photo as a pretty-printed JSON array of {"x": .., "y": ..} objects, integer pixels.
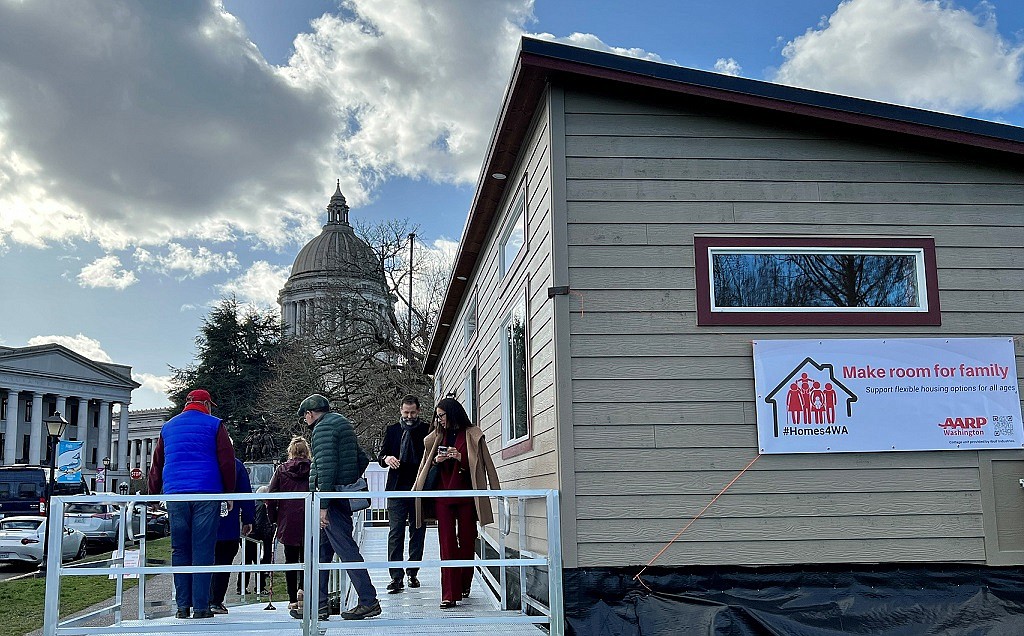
[{"x": 458, "y": 448}]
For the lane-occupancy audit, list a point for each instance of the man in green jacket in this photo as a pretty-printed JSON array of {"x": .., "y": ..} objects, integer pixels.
[{"x": 337, "y": 461}]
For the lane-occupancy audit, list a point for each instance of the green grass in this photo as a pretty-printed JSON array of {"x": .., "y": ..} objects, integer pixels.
[{"x": 22, "y": 601}]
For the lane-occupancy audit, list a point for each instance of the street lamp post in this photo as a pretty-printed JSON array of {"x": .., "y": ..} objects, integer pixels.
[
  {"x": 106, "y": 474},
  {"x": 55, "y": 425}
]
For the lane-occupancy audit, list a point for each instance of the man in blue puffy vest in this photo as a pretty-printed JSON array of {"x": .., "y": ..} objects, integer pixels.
[{"x": 194, "y": 455}]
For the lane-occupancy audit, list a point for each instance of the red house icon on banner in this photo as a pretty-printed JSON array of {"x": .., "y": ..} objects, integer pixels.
[{"x": 809, "y": 395}]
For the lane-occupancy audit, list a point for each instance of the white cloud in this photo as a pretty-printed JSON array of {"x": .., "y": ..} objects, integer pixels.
[
  {"x": 416, "y": 84},
  {"x": 924, "y": 53},
  {"x": 258, "y": 286},
  {"x": 105, "y": 272},
  {"x": 190, "y": 263},
  {"x": 151, "y": 121},
  {"x": 728, "y": 66},
  {"x": 591, "y": 41},
  {"x": 80, "y": 344},
  {"x": 156, "y": 383},
  {"x": 218, "y": 145}
]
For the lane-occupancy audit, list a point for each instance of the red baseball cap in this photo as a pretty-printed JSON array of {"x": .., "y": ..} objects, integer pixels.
[{"x": 199, "y": 395}]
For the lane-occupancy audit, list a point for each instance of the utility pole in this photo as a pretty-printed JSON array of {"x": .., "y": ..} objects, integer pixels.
[{"x": 412, "y": 242}]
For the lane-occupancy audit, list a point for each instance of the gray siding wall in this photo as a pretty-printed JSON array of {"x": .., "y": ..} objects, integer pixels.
[
  {"x": 529, "y": 278},
  {"x": 662, "y": 410}
]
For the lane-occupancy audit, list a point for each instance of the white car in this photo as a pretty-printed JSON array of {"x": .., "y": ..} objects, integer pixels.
[
  {"x": 21, "y": 540},
  {"x": 99, "y": 522}
]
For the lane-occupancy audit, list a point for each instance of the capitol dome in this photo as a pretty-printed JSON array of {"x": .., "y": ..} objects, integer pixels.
[
  {"x": 333, "y": 275},
  {"x": 336, "y": 249}
]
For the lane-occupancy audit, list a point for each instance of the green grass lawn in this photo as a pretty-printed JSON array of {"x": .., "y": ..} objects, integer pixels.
[{"x": 21, "y": 602}]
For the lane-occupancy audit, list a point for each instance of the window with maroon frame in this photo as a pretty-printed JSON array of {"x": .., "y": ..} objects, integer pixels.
[{"x": 835, "y": 280}]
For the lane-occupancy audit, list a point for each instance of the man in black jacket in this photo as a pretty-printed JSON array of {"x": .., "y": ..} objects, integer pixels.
[{"x": 401, "y": 454}]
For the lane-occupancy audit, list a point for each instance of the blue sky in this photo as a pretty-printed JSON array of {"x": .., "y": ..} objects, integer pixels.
[{"x": 165, "y": 154}]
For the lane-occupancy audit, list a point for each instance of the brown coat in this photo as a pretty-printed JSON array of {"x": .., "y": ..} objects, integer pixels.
[{"x": 481, "y": 471}]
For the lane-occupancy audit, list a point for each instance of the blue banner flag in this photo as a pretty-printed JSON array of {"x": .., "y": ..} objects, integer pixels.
[{"x": 69, "y": 462}]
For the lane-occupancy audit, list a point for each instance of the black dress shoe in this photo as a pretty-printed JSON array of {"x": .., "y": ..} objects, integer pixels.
[
  {"x": 183, "y": 612},
  {"x": 395, "y": 586},
  {"x": 202, "y": 614},
  {"x": 413, "y": 581},
  {"x": 448, "y": 604}
]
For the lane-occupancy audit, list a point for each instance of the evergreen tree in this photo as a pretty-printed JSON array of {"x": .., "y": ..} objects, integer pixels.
[{"x": 234, "y": 350}]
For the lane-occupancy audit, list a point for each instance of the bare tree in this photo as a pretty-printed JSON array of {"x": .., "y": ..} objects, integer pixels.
[{"x": 357, "y": 350}]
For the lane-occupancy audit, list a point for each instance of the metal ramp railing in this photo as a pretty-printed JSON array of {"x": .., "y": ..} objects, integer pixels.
[{"x": 532, "y": 611}]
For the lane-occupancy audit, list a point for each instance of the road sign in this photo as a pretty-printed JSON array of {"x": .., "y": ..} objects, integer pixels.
[{"x": 136, "y": 473}]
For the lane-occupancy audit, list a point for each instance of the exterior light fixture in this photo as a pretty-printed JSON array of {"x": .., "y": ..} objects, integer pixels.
[{"x": 500, "y": 176}]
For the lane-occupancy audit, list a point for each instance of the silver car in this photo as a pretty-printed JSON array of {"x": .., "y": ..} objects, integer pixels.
[
  {"x": 21, "y": 540},
  {"x": 99, "y": 522}
]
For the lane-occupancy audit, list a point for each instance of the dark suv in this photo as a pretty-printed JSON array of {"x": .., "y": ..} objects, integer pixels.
[{"x": 23, "y": 490}]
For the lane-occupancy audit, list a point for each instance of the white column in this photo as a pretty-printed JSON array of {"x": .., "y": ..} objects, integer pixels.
[
  {"x": 35, "y": 444},
  {"x": 11, "y": 430},
  {"x": 122, "y": 439},
  {"x": 83, "y": 425},
  {"x": 103, "y": 445},
  {"x": 62, "y": 405}
]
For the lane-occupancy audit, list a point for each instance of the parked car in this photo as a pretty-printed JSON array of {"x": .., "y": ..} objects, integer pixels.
[
  {"x": 23, "y": 489},
  {"x": 158, "y": 524},
  {"x": 21, "y": 540},
  {"x": 99, "y": 522}
]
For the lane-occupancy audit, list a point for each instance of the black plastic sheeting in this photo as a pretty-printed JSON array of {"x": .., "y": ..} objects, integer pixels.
[{"x": 882, "y": 600}]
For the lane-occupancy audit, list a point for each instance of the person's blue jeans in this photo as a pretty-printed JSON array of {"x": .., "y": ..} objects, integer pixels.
[
  {"x": 193, "y": 539},
  {"x": 337, "y": 539}
]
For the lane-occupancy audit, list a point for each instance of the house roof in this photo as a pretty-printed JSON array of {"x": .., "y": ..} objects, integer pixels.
[{"x": 539, "y": 62}]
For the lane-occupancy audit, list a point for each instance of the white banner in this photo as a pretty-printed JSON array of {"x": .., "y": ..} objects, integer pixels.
[{"x": 836, "y": 396}]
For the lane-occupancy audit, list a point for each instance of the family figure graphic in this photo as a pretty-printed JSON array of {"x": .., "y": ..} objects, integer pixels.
[{"x": 808, "y": 403}]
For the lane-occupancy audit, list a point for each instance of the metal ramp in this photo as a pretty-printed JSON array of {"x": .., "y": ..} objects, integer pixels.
[
  {"x": 396, "y": 609},
  {"x": 413, "y": 611}
]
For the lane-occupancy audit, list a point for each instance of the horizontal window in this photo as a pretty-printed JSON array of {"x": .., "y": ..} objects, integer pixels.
[{"x": 810, "y": 280}]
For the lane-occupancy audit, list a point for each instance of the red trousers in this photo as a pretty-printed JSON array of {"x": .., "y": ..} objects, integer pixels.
[{"x": 456, "y": 531}]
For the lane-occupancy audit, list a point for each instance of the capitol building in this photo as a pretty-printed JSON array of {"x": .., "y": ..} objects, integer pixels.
[{"x": 336, "y": 282}]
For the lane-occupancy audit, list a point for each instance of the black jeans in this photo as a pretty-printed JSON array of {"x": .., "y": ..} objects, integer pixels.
[
  {"x": 223, "y": 554},
  {"x": 293, "y": 554},
  {"x": 402, "y": 513}
]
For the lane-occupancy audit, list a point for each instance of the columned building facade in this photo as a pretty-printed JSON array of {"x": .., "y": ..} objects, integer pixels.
[
  {"x": 92, "y": 396},
  {"x": 143, "y": 432},
  {"x": 335, "y": 277}
]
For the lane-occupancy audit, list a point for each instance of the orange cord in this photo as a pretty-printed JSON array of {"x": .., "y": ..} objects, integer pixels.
[
  {"x": 573, "y": 291},
  {"x": 691, "y": 522}
]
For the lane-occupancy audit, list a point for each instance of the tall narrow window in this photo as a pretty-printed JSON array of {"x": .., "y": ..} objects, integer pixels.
[
  {"x": 470, "y": 396},
  {"x": 515, "y": 392},
  {"x": 469, "y": 322},
  {"x": 514, "y": 235},
  {"x": 438, "y": 385}
]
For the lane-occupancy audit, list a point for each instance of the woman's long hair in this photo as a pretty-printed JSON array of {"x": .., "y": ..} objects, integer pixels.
[
  {"x": 454, "y": 414},
  {"x": 299, "y": 448}
]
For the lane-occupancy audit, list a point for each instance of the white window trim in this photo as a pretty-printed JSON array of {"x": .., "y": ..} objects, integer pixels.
[
  {"x": 517, "y": 214},
  {"x": 506, "y": 379},
  {"x": 919, "y": 265},
  {"x": 468, "y": 396},
  {"x": 471, "y": 318}
]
